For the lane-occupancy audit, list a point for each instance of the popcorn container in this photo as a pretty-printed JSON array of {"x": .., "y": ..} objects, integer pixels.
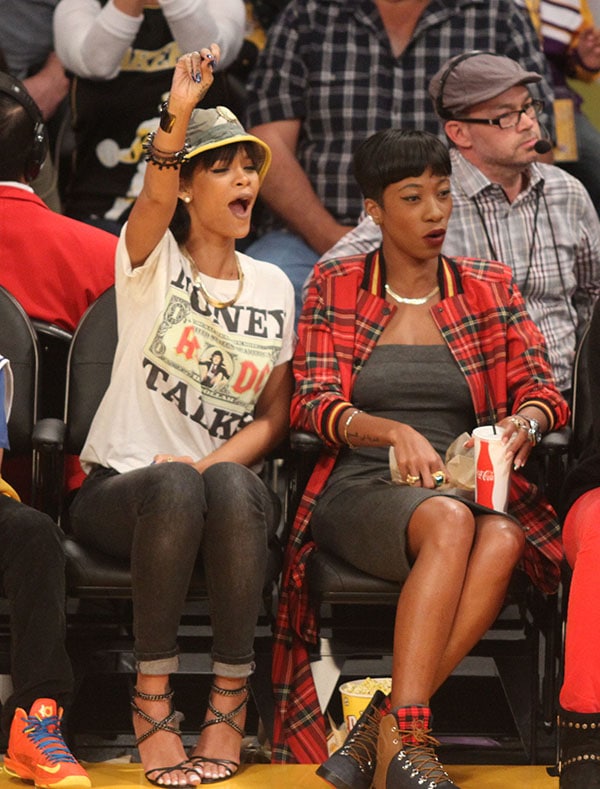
[{"x": 357, "y": 694}]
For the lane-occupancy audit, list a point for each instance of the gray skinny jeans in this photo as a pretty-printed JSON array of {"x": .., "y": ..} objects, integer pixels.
[{"x": 167, "y": 516}]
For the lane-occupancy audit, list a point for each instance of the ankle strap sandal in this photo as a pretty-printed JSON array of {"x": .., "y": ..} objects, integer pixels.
[
  {"x": 223, "y": 717},
  {"x": 165, "y": 724},
  {"x": 155, "y": 725},
  {"x": 226, "y": 717}
]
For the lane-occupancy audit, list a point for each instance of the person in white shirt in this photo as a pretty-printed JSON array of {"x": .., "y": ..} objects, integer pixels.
[{"x": 172, "y": 463}]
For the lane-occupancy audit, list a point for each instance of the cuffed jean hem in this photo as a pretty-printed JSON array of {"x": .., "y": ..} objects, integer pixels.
[
  {"x": 158, "y": 667},
  {"x": 238, "y": 671}
]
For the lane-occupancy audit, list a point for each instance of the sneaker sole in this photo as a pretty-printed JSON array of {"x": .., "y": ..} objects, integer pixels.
[{"x": 70, "y": 782}]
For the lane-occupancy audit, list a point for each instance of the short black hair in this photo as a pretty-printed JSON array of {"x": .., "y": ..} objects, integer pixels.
[
  {"x": 391, "y": 155},
  {"x": 180, "y": 223},
  {"x": 16, "y": 138}
]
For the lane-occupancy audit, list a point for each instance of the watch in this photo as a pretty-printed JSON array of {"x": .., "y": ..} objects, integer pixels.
[{"x": 534, "y": 434}]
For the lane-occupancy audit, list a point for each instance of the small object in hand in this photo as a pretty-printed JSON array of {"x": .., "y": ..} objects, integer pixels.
[
  {"x": 438, "y": 478},
  {"x": 411, "y": 479}
]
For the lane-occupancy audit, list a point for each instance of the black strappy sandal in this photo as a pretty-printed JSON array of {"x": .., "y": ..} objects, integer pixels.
[
  {"x": 222, "y": 717},
  {"x": 162, "y": 725}
]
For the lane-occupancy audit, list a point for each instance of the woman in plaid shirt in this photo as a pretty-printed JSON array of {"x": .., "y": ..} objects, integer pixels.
[{"x": 404, "y": 348}]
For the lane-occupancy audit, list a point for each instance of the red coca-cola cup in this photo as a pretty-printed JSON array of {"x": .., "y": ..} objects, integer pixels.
[{"x": 493, "y": 464}]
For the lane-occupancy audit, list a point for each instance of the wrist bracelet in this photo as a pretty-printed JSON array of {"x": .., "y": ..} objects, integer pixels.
[
  {"x": 167, "y": 120},
  {"x": 347, "y": 425},
  {"x": 534, "y": 433},
  {"x": 163, "y": 159}
]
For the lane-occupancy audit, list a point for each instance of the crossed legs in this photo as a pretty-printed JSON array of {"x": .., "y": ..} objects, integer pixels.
[{"x": 454, "y": 591}]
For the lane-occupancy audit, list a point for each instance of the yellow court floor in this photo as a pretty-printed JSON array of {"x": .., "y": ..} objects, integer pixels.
[{"x": 265, "y": 776}]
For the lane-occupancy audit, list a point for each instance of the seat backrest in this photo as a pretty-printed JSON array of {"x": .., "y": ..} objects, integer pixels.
[
  {"x": 89, "y": 367},
  {"x": 581, "y": 419},
  {"x": 19, "y": 344}
]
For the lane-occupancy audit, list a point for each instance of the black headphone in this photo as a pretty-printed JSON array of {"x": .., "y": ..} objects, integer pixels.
[
  {"x": 16, "y": 90},
  {"x": 454, "y": 63}
]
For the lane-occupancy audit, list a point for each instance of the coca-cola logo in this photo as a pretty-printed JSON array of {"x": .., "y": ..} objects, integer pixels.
[{"x": 485, "y": 475}]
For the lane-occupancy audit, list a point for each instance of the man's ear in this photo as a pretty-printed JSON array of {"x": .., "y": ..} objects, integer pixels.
[
  {"x": 458, "y": 133},
  {"x": 373, "y": 209}
]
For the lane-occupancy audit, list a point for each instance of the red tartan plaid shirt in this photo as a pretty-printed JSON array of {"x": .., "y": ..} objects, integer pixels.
[{"x": 482, "y": 317}]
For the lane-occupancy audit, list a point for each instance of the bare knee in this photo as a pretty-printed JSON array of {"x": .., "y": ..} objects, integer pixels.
[
  {"x": 444, "y": 524},
  {"x": 502, "y": 537}
]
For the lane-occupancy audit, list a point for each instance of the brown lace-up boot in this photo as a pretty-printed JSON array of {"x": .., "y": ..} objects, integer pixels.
[{"x": 410, "y": 763}]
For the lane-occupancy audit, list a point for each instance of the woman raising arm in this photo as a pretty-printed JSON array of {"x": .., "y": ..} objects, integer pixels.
[{"x": 173, "y": 460}]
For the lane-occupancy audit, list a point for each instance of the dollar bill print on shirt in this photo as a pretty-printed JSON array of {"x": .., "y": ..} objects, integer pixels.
[{"x": 228, "y": 368}]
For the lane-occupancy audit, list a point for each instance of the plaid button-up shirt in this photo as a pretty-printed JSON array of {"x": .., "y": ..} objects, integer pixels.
[
  {"x": 482, "y": 318},
  {"x": 330, "y": 65}
]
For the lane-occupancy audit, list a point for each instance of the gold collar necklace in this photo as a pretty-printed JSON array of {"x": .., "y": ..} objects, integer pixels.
[
  {"x": 206, "y": 295},
  {"x": 406, "y": 300}
]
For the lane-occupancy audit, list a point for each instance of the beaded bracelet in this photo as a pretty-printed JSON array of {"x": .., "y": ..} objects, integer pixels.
[
  {"x": 347, "y": 425},
  {"x": 163, "y": 159}
]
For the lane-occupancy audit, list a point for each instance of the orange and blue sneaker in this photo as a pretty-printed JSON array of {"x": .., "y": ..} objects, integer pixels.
[{"x": 37, "y": 752}]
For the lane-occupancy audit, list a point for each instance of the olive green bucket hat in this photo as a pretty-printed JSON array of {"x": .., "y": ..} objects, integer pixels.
[{"x": 218, "y": 126}]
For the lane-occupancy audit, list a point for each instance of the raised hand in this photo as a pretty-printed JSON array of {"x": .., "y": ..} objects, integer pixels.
[{"x": 193, "y": 75}]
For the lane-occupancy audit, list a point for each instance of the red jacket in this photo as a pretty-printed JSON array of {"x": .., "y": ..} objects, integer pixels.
[
  {"x": 482, "y": 317},
  {"x": 53, "y": 265}
]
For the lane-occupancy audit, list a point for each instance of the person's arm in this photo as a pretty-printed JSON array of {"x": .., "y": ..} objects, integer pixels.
[
  {"x": 48, "y": 86},
  {"x": 363, "y": 238},
  {"x": 319, "y": 404},
  {"x": 587, "y": 262},
  {"x": 288, "y": 191},
  {"x": 268, "y": 429},
  {"x": 221, "y": 21},
  {"x": 155, "y": 205},
  {"x": 530, "y": 383},
  {"x": 253, "y": 442},
  {"x": 91, "y": 40}
]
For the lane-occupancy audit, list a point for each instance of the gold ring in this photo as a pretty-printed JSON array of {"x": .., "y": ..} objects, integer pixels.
[
  {"x": 519, "y": 423},
  {"x": 438, "y": 478},
  {"x": 412, "y": 480},
  {"x": 170, "y": 459}
]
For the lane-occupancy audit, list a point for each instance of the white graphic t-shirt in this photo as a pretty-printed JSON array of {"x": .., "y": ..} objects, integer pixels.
[{"x": 187, "y": 375}]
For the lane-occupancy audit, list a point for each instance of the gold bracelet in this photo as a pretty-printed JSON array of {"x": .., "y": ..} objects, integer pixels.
[
  {"x": 347, "y": 425},
  {"x": 167, "y": 119}
]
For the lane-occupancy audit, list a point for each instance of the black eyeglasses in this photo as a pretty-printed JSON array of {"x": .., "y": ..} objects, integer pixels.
[{"x": 510, "y": 119}]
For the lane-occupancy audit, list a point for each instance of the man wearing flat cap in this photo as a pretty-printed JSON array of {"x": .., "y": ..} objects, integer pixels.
[{"x": 507, "y": 205}]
